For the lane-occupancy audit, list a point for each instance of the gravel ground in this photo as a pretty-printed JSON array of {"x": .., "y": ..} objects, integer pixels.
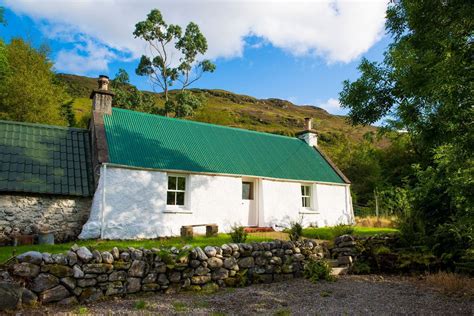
[{"x": 350, "y": 295}]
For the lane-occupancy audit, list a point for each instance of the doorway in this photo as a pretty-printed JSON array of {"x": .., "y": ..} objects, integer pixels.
[{"x": 249, "y": 201}]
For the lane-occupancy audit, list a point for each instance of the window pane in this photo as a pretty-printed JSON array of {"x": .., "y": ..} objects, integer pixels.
[
  {"x": 170, "y": 198},
  {"x": 181, "y": 183},
  {"x": 306, "y": 202},
  {"x": 179, "y": 198},
  {"x": 171, "y": 183},
  {"x": 302, "y": 190},
  {"x": 247, "y": 188},
  {"x": 303, "y": 202}
]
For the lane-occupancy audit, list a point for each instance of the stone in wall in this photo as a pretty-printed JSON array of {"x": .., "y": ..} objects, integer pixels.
[{"x": 29, "y": 214}]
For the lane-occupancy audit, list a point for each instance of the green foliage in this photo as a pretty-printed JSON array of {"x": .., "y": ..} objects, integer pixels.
[
  {"x": 341, "y": 229},
  {"x": 238, "y": 234},
  {"x": 316, "y": 270},
  {"x": 68, "y": 113},
  {"x": 329, "y": 233},
  {"x": 28, "y": 92},
  {"x": 185, "y": 103},
  {"x": 127, "y": 96},
  {"x": 141, "y": 304},
  {"x": 425, "y": 84},
  {"x": 296, "y": 231},
  {"x": 179, "y": 306},
  {"x": 360, "y": 267}
]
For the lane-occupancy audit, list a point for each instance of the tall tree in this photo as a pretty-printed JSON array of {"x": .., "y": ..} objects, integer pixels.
[
  {"x": 425, "y": 84},
  {"x": 164, "y": 41},
  {"x": 127, "y": 96},
  {"x": 27, "y": 89}
]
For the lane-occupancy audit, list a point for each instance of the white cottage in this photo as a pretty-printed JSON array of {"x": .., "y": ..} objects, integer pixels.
[{"x": 157, "y": 174}]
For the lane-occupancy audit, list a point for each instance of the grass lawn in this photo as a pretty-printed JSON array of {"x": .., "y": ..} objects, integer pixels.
[
  {"x": 329, "y": 233},
  {"x": 8, "y": 251}
]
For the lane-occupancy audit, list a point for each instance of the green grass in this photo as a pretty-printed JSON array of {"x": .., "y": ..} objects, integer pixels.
[
  {"x": 140, "y": 304},
  {"x": 102, "y": 245},
  {"x": 329, "y": 233},
  {"x": 179, "y": 306}
]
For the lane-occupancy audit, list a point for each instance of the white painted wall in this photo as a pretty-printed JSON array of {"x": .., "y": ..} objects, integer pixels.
[{"x": 135, "y": 204}]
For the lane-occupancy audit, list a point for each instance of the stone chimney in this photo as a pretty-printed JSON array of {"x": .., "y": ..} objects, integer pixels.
[
  {"x": 102, "y": 97},
  {"x": 308, "y": 135}
]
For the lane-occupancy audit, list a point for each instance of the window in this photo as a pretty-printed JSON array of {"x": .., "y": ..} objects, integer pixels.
[
  {"x": 247, "y": 190},
  {"x": 306, "y": 195},
  {"x": 176, "y": 190}
]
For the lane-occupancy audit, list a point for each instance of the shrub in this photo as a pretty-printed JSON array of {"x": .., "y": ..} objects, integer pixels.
[
  {"x": 238, "y": 234},
  {"x": 316, "y": 270},
  {"x": 140, "y": 304},
  {"x": 360, "y": 267},
  {"x": 295, "y": 231},
  {"x": 341, "y": 229},
  {"x": 451, "y": 283}
]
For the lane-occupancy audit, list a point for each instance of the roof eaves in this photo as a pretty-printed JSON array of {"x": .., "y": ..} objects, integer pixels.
[{"x": 333, "y": 165}]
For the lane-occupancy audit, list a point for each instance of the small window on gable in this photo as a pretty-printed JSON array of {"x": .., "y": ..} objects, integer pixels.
[
  {"x": 306, "y": 196},
  {"x": 176, "y": 190}
]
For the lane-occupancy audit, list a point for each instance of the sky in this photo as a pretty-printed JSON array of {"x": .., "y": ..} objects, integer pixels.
[{"x": 298, "y": 50}]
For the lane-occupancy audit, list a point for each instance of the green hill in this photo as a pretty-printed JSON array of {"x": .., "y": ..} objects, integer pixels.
[{"x": 226, "y": 108}]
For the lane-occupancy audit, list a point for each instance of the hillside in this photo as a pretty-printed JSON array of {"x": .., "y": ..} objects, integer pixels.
[{"x": 226, "y": 108}]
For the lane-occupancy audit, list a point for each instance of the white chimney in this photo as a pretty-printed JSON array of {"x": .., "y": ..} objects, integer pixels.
[{"x": 308, "y": 135}]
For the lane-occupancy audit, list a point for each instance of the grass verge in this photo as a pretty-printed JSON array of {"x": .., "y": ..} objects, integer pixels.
[{"x": 329, "y": 233}]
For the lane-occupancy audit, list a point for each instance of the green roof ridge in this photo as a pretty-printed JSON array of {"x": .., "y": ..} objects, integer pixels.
[{"x": 205, "y": 123}]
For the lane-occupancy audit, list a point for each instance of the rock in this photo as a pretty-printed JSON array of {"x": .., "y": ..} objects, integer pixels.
[
  {"x": 231, "y": 264},
  {"x": 201, "y": 271},
  {"x": 200, "y": 254},
  {"x": 55, "y": 294},
  {"x": 195, "y": 263},
  {"x": 150, "y": 278},
  {"x": 133, "y": 285},
  {"x": 118, "y": 276},
  {"x": 69, "y": 301},
  {"x": 210, "y": 251},
  {"x": 77, "y": 272},
  {"x": 114, "y": 288},
  {"x": 75, "y": 247},
  {"x": 11, "y": 294},
  {"x": 137, "y": 269},
  {"x": 91, "y": 294},
  {"x": 344, "y": 260},
  {"x": 247, "y": 262},
  {"x": 163, "y": 279},
  {"x": 136, "y": 254},
  {"x": 86, "y": 282},
  {"x": 115, "y": 253},
  {"x": 33, "y": 257},
  {"x": 26, "y": 269},
  {"x": 226, "y": 250},
  {"x": 150, "y": 287},
  {"x": 215, "y": 262},
  {"x": 298, "y": 257},
  {"x": 200, "y": 279},
  {"x": 175, "y": 277},
  {"x": 84, "y": 254},
  {"x": 69, "y": 283},
  {"x": 107, "y": 257},
  {"x": 346, "y": 244},
  {"x": 102, "y": 278},
  {"x": 44, "y": 281},
  {"x": 125, "y": 256},
  {"x": 97, "y": 268},
  {"x": 160, "y": 267},
  {"x": 71, "y": 258},
  {"x": 59, "y": 258},
  {"x": 28, "y": 298},
  {"x": 61, "y": 271},
  {"x": 220, "y": 274},
  {"x": 96, "y": 257},
  {"x": 121, "y": 265},
  {"x": 47, "y": 257}
]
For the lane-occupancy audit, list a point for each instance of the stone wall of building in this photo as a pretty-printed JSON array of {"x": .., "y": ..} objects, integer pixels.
[
  {"x": 81, "y": 275},
  {"x": 30, "y": 214}
]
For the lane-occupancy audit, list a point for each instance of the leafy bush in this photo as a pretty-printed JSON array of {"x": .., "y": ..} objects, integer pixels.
[
  {"x": 295, "y": 231},
  {"x": 341, "y": 229},
  {"x": 316, "y": 270},
  {"x": 238, "y": 234},
  {"x": 360, "y": 267}
]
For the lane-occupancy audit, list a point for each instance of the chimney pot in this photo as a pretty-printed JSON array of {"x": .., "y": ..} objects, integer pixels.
[
  {"x": 103, "y": 82},
  {"x": 308, "y": 123},
  {"x": 102, "y": 97}
]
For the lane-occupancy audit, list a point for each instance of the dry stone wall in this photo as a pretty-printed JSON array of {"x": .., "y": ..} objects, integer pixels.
[
  {"x": 82, "y": 275},
  {"x": 27, "y": 214}
]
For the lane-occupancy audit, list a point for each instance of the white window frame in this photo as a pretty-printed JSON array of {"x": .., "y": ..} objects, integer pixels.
[
  {"x": 309, "y": 196},
  {"x": 185, "y": 191}
]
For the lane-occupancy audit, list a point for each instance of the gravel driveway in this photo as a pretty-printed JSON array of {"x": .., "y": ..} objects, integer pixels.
[{"x": 350, "y": 295}]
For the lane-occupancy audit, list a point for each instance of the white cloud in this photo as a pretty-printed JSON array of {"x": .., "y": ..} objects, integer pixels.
[
  {"x": 331, "y": 105},
  {"x": 337, "y": 31}
]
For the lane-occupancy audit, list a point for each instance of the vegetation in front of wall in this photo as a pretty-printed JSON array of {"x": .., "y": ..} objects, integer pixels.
[
  {"x": 329, "y": 233},
  {"x": 317, "y": 270},
  {"x": 295, "y": 232},
  {"x": 238, "y": 234}
]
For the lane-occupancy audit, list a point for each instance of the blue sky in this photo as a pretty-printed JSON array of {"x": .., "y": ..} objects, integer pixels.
[{"x": 252, "y": 59}]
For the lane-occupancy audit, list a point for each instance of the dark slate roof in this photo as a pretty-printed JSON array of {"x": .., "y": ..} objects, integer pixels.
[
  {"x": 152, "y": 141},
  {"x": 46, "y": 159}
]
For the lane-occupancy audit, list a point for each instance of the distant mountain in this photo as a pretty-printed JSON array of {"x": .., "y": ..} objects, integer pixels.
[{"x": 227, "y": 108}]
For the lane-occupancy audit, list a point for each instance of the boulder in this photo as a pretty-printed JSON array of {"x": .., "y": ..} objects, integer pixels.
[
  {"x": 33, "y": 257},
  {"x": 47, "y": 257},
  {"x": 69, "y": 283},
  {"x": 71, "y": 258},
  {"x": 121, "y": 265},
  {"x": 210, "y": 251},
  {"x": 97, "y": 268},
  {"x": 68, "y": 301},
  {"x": 231, "y": 263},
  {"x": 220, "y": 274},
  {"x": 96, "y": 256},
  {"x": 115, "y": 253},
  {"x": 107, "y": 257},
  {"x": 11, "y": 294},
  {"x": 200, "y": 279},
  {"x": 200, "y": 254},
  {"x": 114, "y": 288},
  {"x": 84, "y": 254},
  {"x": 137, "y": 269},
  {"x": 77, "y": 272},
  {"x": 59, "y": 258},
  {"x": 246, "y": 263},
  {"x": 163, "y": 279},
  {"x": 214, "y": 262},
  {"x": 86, "y": 282},
  {"x": 26, "y": 269},
  {"x": 61, "y": 271},
  {"x": 44, "y": 281},
  {"x": 28, "y": 298},
  {"x": 118, "y": 276},
  {"x": 202, "y": 270},
  {"x": 133, "y": 285},
  {"x": 90, "y": 294},
  {"x": 55, "y": 294}
]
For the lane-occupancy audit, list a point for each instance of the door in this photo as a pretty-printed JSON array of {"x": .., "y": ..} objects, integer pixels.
[{"x": 249, "y": 203}]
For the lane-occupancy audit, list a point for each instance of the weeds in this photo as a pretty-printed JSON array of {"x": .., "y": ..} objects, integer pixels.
[
  {"x": 451, "y": 283},
  {"x": 139, "y": 305},
  {"x": 179, "y": 306},
  {"x": 316, "y": 270},
  {"x": 238, "y": 234}
]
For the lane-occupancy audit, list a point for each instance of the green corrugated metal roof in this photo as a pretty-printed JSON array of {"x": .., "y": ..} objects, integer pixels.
[
  {"x": 45, "y": 159},
  {"x": 158, "y": 142}
]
